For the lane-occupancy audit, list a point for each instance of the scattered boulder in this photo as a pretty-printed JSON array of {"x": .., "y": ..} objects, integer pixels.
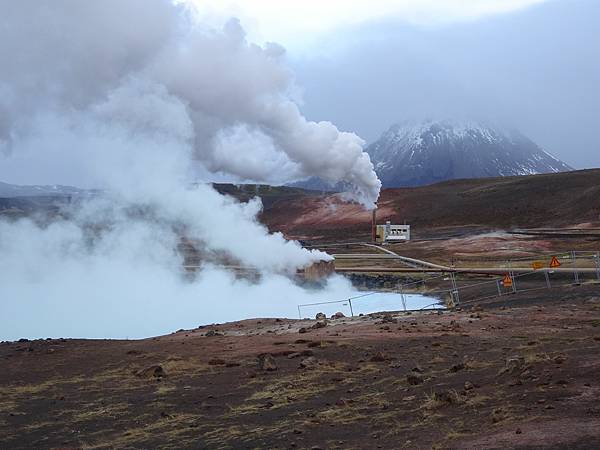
[
  {"x": 213, "y": 333},
  {"x": 447, "y": 398},
  {"x": 320, "y": 324},
  {"x": 414, "y": 378},
  {"x": 514, "y": 364},
  {"x": 559, "y": 359},
  {"x": 153, "y": 371},
  {"x": 302, "y": 330},
  {"x": 457, "y": 367},
  {"x": 320, "y": 316},
  {"x": 469, "y": 386},
  {"x": 309, "y": 363},
  {"x": 498, "y": 415},
  {"x": 338, "y": 315},
  {"x": 388, "y": 318},
  {"x": 379, "y": 357},
  {"x": 216, "y": 362},
  {"x": 266, "y": 362}
]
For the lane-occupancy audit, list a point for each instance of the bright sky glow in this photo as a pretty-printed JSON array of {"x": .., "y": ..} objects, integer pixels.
[{"x": 295, "y": 22}]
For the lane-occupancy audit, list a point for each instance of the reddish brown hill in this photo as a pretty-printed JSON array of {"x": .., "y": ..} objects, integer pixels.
[{"x": 562, "y": 199}]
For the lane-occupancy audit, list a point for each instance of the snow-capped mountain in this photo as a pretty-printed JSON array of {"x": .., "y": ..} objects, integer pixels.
[{"x": 411, "y": 154}]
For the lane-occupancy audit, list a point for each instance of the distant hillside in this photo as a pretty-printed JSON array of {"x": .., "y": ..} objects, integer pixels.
[
  {"x": 560, "y": 199},
  {"x": 15, "y": 190},
  {"x": 420, "y": 153}
]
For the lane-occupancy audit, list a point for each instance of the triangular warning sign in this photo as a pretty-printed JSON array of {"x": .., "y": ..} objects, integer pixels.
[
  {"x": 507, "y": 281},
  {"x": 554, "y": 263}
]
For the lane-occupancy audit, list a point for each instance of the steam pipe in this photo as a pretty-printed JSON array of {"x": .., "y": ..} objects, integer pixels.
[{"x": 374, "y": 226}]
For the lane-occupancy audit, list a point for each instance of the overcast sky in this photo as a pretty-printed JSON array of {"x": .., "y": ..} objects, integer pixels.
[
  {"x": 530, "y": 64},
  {"x": 366, "y": 64},
  {"x": 536, "y": 69}
]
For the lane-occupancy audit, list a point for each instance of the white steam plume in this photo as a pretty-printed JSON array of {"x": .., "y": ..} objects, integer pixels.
[
  {"x": 134, "y": 97},
  {"x": 68, "y": 55}
]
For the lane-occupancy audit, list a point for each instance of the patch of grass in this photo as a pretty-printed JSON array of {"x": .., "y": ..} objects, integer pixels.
[
  {"x": 164, "y": 389},
  {"x": 288, "y": 390},
  {"x": 437, "y": 400},
  {"x": 175, "y": 433},
  {"x": 231, "y": 436},
  {"x": 478, "y": 365},
  {"x": 26, "y": 389},
  {"x": 33, "y": 427},
  {"x": 455, "y": 434},
  {"x": 95, "y": 412},
  {"x": 7, "y": 406},
  {"x": 477, "y": 400},
  {"x": 178, "y": 366},
  {"x": 532, "y": 358},
  {"x": 342, "y": 415}
]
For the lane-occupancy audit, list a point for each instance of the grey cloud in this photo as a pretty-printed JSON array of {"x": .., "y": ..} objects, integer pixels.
[{"x": 536, "y": 70}]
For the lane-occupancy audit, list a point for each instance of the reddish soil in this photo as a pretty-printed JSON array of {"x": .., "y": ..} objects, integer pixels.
[
  {"x": 457, "y": 206},
  {"x": 381, "y": 381},
  {"x": 522, "y": 374}
]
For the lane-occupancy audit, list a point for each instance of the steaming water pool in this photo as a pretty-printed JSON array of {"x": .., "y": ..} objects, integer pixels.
[{"x": 123, "y": 304}]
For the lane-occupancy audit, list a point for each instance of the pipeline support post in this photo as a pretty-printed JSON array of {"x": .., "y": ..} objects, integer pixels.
[
  {"x": 576, "y": 274},
  {"x": 402, "y": 298},
  {"x": 455, "y": 294},
  {"x": 351, "y": 310}
]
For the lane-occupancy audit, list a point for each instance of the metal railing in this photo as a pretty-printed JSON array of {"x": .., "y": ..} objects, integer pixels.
[{"x": 456, "y": 288}]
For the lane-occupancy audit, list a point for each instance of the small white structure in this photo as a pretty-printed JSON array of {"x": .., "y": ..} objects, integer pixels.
[{"x": 389, "y": 233}]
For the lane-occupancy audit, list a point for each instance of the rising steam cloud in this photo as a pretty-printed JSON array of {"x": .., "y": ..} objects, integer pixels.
[
  {"x": 149, "y": 66},
  {"x": 138, "y": 98}
]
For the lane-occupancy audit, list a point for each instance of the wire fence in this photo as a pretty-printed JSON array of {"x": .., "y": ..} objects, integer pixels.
[{"x": 454, "y": 288}]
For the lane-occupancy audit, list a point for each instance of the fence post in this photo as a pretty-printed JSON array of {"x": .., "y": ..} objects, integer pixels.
[
  {"x": 574, "y": 258},
  {"x": 299, "y": 315},
  {"x": 402, "y": 297},
  {"x": 351, "y": 310},
  {"x": 499, "y": 290},
  {"x": 548, "y": 285},
  {"x": 511, "y": 274},
  {"x": 514, "y": 282},
  {"x": 455, "y": 294}
]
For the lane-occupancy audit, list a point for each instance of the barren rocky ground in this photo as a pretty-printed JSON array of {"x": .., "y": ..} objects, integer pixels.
[{"x": 519, "y": 373}]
